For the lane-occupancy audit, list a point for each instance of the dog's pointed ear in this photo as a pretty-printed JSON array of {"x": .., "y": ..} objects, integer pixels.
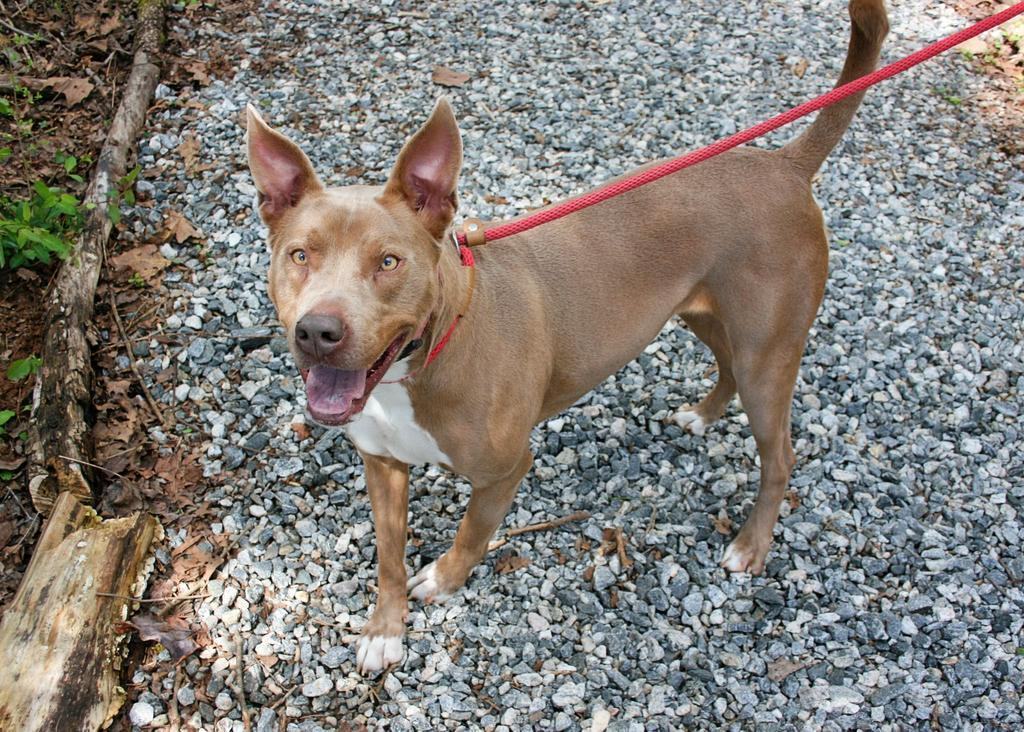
[
  {"x": 281, "y": 171},
  {"x": 426, "y": 173}
]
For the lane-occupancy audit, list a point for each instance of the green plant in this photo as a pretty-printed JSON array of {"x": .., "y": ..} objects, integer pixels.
[
  {"x": 136, "y": 280},
  {"x": 23, "y": 367},
  {"x": 70, "y": 164},
  {"x": 6, "y": 415},
  {"x": 122, "y": 192},
  {"x": 38, "y": 228},
  {"x": 949, "y": 95}
]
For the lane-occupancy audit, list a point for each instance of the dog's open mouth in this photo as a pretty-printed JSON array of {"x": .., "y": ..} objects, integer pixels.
[{"x": 334, "y": 396}]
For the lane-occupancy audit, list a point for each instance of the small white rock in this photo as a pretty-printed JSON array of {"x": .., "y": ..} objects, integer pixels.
[{"x": 141, "y": 714}]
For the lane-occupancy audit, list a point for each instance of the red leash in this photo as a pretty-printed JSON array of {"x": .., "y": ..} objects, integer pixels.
[{"x": 720, "y": 146}]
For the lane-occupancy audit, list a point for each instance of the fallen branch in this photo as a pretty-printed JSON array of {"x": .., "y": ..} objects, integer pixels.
[
  {"x": 60, "y": 651},
  {"x": 63, "y": 391},
  {"x": 542, "y": 526}
]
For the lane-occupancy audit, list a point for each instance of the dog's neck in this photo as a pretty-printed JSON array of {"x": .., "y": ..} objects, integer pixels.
[{"x": 455, "y": 283}]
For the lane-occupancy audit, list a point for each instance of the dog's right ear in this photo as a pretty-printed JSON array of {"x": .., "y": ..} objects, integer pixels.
[{"x": 281, "y": 171}]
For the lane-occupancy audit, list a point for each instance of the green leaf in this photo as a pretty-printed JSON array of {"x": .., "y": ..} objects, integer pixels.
[
  {"x": 114, "y": 213},
  {"x": 6, "y": 415},
  {"x": 23, "y": 367}
]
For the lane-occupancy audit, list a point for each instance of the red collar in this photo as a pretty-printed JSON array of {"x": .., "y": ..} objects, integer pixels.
[{"x": 466, "y": 255}]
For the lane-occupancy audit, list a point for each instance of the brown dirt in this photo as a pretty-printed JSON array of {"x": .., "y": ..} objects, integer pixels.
[
  {"x": 88, "y": 41},
  {"x": 1002, "y": 102}
]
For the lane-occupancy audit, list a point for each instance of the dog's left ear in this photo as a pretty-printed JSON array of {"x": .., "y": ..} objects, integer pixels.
[{"x": 426, "y": 173}]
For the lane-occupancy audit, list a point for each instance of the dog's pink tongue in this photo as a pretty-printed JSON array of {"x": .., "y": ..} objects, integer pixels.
[{"x": 332, "y": 391}]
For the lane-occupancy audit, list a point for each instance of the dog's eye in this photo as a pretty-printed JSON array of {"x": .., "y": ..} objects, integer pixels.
[
  {"x": 299, "y": 257},
  {"x": 389, "y": 262}
]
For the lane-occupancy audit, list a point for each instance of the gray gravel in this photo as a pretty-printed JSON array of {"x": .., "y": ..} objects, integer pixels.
[{"x": 892, "y": 598}]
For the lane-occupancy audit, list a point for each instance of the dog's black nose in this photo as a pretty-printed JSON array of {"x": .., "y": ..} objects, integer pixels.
[{"x": 317, "y": 335}]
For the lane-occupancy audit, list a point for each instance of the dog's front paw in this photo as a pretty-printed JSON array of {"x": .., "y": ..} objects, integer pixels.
[
  {"x": 746, "y": 554},
  {"x": 380, "y": 645},
  {"x": 376, "y": 652},
  {"x": 688, "y": 419},
  {"x": 431, "y": 585}
]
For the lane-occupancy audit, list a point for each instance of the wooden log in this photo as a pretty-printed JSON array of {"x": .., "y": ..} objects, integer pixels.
[
  {"x": 60, "y": 652},
  {"x": 61, "y": 449}
]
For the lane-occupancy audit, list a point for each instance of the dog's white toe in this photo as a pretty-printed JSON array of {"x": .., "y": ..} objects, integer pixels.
[
  {"x": 376, "y": 652},
  {"x": 424, "y": 585},
  {"x": 734, "y": 559},
  {"x": 690, "y": 420}
]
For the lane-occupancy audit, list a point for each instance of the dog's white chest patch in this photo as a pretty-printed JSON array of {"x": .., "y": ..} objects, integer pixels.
[{"x": 387, "y": 425}]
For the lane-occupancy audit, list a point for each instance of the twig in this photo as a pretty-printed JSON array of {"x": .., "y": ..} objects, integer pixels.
[
  {"x": 91, "y": 465},
  {"x": 19, "y": 31},
  {"x": 134, "y": 364},
  {"x": 172, "y": 711},
  {"x": 284, "y": 697},
  {"x": 183, "y": 598},
  {"x": 240, "y": 683},
  {"x": 542, "y": 526},
  {"x": 373, "y": 690}
]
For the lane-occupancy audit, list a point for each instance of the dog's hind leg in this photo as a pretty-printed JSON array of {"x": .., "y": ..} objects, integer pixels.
[
  {"x": 710, "y": 330},
  {"x": 765, "y": 378}
]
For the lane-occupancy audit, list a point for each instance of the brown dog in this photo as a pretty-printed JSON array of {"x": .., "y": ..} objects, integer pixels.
[{"x": 361, "y": 276}]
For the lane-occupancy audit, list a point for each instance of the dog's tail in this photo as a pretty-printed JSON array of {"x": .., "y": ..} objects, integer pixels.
[{"x": 870, "y": 26}]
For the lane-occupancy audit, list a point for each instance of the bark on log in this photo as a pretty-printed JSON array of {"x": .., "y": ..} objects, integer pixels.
[
  {"x": 62, "y": 399},
  {"x": 60, "y": 652}
]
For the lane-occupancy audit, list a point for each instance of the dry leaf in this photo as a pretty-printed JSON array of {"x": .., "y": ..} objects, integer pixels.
[
  {"x": 510, "y": 562},
  {"x": 110, "y": 25},
  {"x": 189, "y": 151},
  {"x": 974, "y": 46},
  {"x": 173, "y": 633},
  {"x": 180, "y": 228},
  {"x": 197, "y": 70},
  {"x": 118, "y": 387},
  {"x": 301, "y": 431},
  {"x": 779, "y": 669},
  {"x": 11, "y": 464},
  {"x": 444, "y": 76},
  {"x": 87, "y": 22},
  {"x": 74, "y": 90},
  {"x": 145, "y": 260},
  {"x": 6, "y": 532},
  {"x": 723, "y": 524},
  {"x": 620, "y": 545},
  {"x": 800, "y": 68}
]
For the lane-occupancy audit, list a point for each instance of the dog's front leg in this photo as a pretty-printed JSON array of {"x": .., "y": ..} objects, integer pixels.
[
  {"x": 488, "y": 505},
  {"x": 381, "y": 645}
]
